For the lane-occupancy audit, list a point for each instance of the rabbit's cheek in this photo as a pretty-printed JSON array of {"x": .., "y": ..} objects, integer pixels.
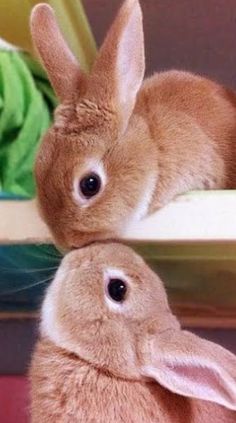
[{"x": 142, "y": 208}]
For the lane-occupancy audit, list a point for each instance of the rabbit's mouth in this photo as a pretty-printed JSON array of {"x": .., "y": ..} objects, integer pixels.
[{"x": 101, "y": 241}]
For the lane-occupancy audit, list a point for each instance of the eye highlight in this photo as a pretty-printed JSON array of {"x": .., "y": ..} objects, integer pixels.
[
  {"x": 117, "y": 290},
  {"x": 90, "y": 185}
]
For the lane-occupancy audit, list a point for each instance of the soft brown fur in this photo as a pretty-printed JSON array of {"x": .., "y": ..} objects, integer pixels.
[
  {"x": 68, "y": 390},
  {"x": 92, "y": 363},
  {"x": 174, "y": 133}
]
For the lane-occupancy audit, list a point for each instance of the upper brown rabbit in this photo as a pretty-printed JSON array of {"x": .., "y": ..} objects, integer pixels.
[
  {"x": 111, "y": 351},
  {"x": 120, "y": 148}
]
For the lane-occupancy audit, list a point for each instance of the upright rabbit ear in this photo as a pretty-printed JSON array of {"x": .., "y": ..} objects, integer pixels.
[
  {"x": 190, "y": 366},
  {"x": 60, "y": 64},
  {"x": 119, "y": 69}
]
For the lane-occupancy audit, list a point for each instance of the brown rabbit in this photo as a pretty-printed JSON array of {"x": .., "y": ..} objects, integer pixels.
[
  {"x": 111, "y": 351},
  {"x": 120, "y": 149}
]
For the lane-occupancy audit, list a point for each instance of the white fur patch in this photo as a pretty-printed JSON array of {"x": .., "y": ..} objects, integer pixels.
[
  {"x": 49, "y": 326},
  {"x": 47, "y": 315},
  {"x": 145, "y": 201},
  {"x": 112, "y": 273},
  {"x": 93, "y": 166}
]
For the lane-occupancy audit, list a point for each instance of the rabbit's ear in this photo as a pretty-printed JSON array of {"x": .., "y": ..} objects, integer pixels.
[
  {"x": 190, "y": 366},
  {"x": 62, "y": 67},
  {"x": 119, "y": 68}
]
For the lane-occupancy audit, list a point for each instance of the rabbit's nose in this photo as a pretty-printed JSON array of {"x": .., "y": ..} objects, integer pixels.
[{"x": 73, "y": 239}]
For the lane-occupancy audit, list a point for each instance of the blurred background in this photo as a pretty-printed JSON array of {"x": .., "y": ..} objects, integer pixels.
[{"x": 195, "y": 35}]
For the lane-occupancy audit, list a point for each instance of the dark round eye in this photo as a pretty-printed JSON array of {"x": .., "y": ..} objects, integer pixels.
[
  {"x": 117, "y": 290},
  {"x": 90, "y": 185}
]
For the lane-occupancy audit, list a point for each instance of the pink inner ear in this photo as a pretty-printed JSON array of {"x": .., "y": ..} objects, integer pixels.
[
  {"x": 119, "y": 68},
  {"x": 199, "y": 380},
  {"x": 193, "y": 367},
  {"x": 130, "y": 58}
]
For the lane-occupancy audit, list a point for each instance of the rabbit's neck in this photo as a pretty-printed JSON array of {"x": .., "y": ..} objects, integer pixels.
[
  {"x": 64, "y": 385},
  {"x": 70, "y": 386}
]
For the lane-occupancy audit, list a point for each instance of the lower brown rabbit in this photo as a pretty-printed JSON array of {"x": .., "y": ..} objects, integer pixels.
[{"x": 111, "y": 351}]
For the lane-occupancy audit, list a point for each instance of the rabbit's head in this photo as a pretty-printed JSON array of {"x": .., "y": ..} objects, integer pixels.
[
  {"x": 95, "y": 169},
  {"x": 108, "y": 307}
]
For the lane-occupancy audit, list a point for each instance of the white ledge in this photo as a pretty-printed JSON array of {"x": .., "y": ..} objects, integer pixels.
[
  {"x": 198, "y": 216},
  {"x": 202, "y": 216},
  {"x": 21, "y": 223}
]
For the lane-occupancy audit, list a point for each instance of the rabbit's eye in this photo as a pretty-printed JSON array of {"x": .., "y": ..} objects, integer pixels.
[
  {"x": 90, "y": 185},
  {"x": 117, "y": 290}
]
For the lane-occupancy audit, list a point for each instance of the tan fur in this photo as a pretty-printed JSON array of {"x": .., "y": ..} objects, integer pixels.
[
  {"x": 177, "y": 132},
  {"x": 68, "y": 390},
  {"x": 89, "y": 364}
]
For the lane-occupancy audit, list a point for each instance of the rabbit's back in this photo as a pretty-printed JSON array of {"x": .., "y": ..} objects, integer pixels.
[
  {"x": 192, "y": 123},
  {"x": 208, "y": 103},
  {"x": 68, "y": 390}
]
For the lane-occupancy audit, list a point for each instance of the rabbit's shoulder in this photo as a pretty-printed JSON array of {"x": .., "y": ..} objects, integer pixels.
[
  {"x": 187, "y": 92},
  {"x": 208, "y": 412}
]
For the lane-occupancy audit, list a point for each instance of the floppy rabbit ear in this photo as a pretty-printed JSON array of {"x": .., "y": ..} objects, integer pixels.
[
  {"x": 190, "y": 366},
  {"x": 62, "y": 67},
  {"x": 119, "y": 68}
]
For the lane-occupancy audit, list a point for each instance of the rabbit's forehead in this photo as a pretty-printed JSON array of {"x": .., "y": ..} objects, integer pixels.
[
  {"x": 114, "y": 273},
  {"x": 85, "y": 116},
  {"x": 113, "y": 258},
  {"x": 92, "y": 113},
  {"x": 92, "y": 164}
]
